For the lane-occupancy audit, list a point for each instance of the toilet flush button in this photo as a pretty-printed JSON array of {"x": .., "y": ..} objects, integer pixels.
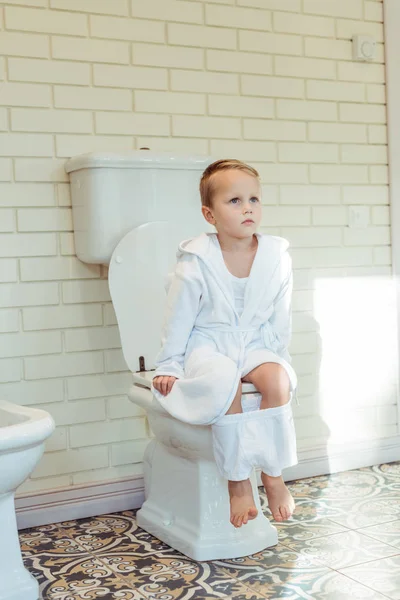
[
  {"x": 364, "y": 47},
  {"x": 118, "y": 259}
]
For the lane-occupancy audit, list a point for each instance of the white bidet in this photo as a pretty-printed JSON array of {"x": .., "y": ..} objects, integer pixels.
[{"x": 23, "y": 431}]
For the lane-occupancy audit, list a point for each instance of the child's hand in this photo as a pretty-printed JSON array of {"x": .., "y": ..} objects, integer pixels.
[{"x": 164, "y": 383}]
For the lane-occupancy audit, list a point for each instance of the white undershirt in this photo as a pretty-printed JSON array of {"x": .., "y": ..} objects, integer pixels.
[{"x": 239, "y": 287}]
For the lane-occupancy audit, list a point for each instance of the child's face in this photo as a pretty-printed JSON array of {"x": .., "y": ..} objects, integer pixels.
[{"x": 236, "y": 204}]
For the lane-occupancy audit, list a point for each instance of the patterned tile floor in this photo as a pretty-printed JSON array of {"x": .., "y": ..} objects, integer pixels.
[{"x": 343, "y": 542}]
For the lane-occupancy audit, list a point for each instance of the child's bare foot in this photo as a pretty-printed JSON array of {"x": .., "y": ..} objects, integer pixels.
[
  {"x": 242, "y": 502},
  {"x": 280, "y": 500}
]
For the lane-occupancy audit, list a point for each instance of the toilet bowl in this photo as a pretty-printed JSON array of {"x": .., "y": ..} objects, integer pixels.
[
  {"x": 186, "y": 499},
  {"x": 23, "y": 431}
]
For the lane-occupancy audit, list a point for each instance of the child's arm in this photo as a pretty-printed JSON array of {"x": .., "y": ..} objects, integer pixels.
[
  {"x": 182, "y": 307},
  {"x": 281, "y": 319}
]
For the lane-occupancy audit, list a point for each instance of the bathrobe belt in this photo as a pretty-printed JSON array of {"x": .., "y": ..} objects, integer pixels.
[{"x": 228, "y": 328}]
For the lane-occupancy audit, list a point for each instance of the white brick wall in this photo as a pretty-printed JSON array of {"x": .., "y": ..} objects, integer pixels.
[{"x": 269, "y": 81}]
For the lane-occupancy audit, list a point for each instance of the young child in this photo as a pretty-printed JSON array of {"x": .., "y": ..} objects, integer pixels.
[{"x": 228, "y": 321}]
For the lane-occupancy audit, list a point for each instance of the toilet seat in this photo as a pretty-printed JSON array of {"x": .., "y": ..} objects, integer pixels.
[
  {"x": 144, "y": 378},
  {"x": 250, "y": 399}
]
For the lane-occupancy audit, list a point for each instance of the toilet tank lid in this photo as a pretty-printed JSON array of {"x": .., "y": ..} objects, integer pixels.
[{"x": 137, "y": 159}]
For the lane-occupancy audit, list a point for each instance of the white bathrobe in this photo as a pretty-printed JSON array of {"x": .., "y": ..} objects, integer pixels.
[{"x": 205, "y": 343}]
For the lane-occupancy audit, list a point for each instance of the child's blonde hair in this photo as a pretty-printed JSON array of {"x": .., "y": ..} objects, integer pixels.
[{"x": 206, "y": 185}]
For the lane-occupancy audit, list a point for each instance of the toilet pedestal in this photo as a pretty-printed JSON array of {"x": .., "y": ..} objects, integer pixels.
[
  {"x": 187, "y": 507},
  {"x": 16, "y": 583}
]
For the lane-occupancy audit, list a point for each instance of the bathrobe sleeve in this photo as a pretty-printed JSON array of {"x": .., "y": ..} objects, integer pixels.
[
  {"x": 182, "y": 307},
  {"x": 281, "y": 319}
]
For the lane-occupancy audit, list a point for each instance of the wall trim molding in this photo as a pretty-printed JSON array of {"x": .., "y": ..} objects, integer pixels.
[
  {"x": 347, "y": 456},
  {"x": 392, "y": 78},
  {"x": 91, "y": 499},
  {"x": 77, "y": 502}
]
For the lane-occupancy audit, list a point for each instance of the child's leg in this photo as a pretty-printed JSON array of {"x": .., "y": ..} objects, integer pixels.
[
  {"x": 236, "y": 406},
  {"x": 240, "y": 492},
  {"x": 272, "y": 381}
]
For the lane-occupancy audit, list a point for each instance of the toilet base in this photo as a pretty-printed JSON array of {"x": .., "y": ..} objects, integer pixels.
[
  {"x": 187, "y": 507},
  {"x": 261, "y": 535}
]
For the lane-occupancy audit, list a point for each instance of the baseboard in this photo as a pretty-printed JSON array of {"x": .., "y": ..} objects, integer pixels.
[
  {"x": 333, "y": 458},
  {"x": 77, "y": 502}
]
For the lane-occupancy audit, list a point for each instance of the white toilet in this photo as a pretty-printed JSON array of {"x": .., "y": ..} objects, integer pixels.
[
  {"x": 131, "y": 211},
  {"x": 23, "y": 431}
]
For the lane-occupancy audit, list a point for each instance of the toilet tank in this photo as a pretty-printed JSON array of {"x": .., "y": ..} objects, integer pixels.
[{"x": 113, "y": 193}]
